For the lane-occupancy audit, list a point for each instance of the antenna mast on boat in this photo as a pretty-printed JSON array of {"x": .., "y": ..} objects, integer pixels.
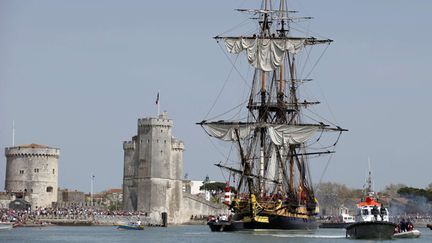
[{"x": 369, "y": 182}]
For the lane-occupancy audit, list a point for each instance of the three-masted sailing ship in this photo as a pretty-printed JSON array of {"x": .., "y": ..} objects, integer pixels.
[{"x": 272, "y": 182}]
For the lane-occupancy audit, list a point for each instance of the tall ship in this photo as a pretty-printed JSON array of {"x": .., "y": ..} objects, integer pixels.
[{"x": 278, "y": 132}]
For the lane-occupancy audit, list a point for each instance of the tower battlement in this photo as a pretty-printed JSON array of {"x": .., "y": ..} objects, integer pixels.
[
  {"x": 177, "y": 144},
  {"x": 162, "y": 120},
  {"x": 129, "y": 145},
  {"x": 32, "y": 150},
  {"x": 142, "y": 122}
]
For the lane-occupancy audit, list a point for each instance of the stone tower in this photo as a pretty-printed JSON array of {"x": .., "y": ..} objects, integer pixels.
[
  {"x": 153, "y": 169},
  {"x": 33, "y": 170}
]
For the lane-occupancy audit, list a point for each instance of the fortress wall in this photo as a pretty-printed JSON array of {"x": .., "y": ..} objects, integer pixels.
[
  {"x": 129, "y": 189},
  {"x": 193, "y": 205},
  {"x": 176, "y": 159},
  {"x": 154, "y": 147}
]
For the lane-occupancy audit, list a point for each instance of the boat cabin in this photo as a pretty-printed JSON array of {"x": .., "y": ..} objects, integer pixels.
[{"x": 372, "y": 213}]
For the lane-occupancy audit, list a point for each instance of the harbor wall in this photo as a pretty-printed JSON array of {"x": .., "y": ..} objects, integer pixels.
[{"x": 197, "y": 207}]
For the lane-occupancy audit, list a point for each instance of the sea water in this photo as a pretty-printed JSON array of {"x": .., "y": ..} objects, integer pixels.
[{"x": 178, "y": 234}]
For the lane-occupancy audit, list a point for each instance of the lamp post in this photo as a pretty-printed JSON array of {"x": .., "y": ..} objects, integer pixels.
[{"x": 91, "y": 189}]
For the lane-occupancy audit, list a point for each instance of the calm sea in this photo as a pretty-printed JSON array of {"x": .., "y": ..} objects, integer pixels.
[{"x": 177, "y": 234}]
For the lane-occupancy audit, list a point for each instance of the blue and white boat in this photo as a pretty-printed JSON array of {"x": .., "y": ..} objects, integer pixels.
[{"x": 131, "y": 226}]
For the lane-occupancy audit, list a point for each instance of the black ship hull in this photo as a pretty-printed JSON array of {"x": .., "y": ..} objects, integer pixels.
[
  {"x": 279, "y": 222},
  {"x": 274, "y": 222},
  {"x": 334, "y": 225},
  {"x": 370, "y": 230}
]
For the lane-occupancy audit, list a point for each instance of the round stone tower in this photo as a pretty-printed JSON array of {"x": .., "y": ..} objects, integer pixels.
[{"x": 33, "y": 170}]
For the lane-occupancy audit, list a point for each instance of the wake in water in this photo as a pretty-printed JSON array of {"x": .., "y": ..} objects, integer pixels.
[
  {"x": 310, "y": 236},
  {"x": 299, "y": 234}
]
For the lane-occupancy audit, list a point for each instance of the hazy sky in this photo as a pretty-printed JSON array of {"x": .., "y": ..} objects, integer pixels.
[{"x": 77, "y": 75}]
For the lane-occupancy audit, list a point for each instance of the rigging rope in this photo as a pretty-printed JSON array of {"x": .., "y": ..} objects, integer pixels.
[
  {"x": 228, "y": 111},
  {"x": 233, "y": 64},
  {"x": 316, "y": 63},
  {"x": 324, "y": 171},
  {"x": 220, "y": 92}
]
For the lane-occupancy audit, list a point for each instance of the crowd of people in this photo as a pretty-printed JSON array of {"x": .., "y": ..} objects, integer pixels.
[{"x": 77, "y": 213}]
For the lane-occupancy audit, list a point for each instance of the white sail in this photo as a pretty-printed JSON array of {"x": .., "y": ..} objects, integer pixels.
[
  {"x": 290, "y": 134},
  {"x": 227, "y": 132},
  {"x": 272, "y": 166},
  {"x": 264, "y": 53},
  {"x": 282, "y": 134}
]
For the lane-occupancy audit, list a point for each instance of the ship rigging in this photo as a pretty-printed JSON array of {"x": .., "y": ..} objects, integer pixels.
[{"x": 272, "y": 178}]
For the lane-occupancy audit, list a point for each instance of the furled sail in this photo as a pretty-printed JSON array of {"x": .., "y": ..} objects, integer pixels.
[
  {"x": 227, "y": 131},
  {"x": 264, "y": 53},
  {"x": 282, "y": 134},
  {"x": 289, "y": 134}
]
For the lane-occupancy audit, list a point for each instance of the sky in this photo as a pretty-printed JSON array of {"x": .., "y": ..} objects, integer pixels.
[{"x": 76, "y": 75}]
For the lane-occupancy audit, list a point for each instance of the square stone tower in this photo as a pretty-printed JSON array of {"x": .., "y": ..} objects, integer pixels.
[{"x": 153, "y": 169}]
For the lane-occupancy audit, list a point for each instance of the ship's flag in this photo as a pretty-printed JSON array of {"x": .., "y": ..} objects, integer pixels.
[{"x": 157, "y": 98}]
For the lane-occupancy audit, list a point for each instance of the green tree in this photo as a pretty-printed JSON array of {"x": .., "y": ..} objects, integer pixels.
[
  {"x": 392, "y": 190},
  {"x": 411, "y": 192}
]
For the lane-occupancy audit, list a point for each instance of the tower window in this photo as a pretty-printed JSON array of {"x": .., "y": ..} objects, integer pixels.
[
  {"x": 53, "y": 171},
  {"x": 21, "y": 172},
  {"x": 36, "y": 170},
  {"x": 49, "y": 189}
]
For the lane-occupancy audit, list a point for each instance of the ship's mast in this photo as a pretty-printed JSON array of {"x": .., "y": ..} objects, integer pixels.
[{"x": 263, "y": 113}]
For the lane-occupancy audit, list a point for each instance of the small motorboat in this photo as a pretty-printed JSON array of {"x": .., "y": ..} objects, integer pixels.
[
  {"x": 131, "y": 226},
  {"x": 408, "y": 234},
  {"x": 220, "y": 224}
]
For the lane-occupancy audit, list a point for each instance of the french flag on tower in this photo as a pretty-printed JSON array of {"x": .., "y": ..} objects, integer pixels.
[{"x": 158, "y": 103}]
